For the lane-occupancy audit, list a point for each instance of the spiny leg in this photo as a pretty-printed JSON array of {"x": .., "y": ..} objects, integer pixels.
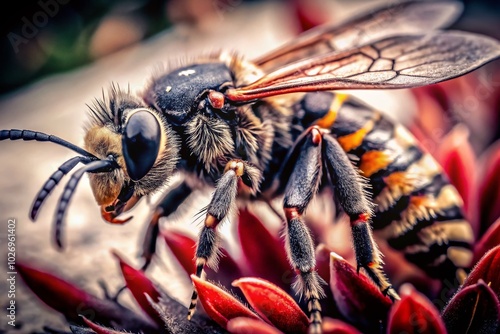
[
  {"x": 168, "y": 205},
  {"x": 349, "y": 189},
  {"x": 302, "y": 186},
  {"x": 238, "y": 176}
]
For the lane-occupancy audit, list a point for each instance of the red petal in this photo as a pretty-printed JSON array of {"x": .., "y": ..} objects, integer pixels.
[
  {"x": 474, "y": 309},
  {"x": 328, "y": 305},
  {"x": 243, "y": 325},
  {"x": 100, "y": 329},
  {"x": 487, "y": 269},
  {"x": 273, "y": 304},
  {"x": 335, "y": 326},
  {"x": 323, "y": 261},
  {"x": 183, "y": 248},
  {"x": 414, "y": 313},
  {"x": 358, "y": 299},
  {"x": 219, "y": 304},
  {"x": 457, "y": 157},
  {"x": 73, "y": 302},
  {"x": 56, "y": 293},
  {"x": 432, "y": 104},
  {"x": 489, "y": 193},
  {"x": 489, "y": 240},
  {"x": 228, "y": 270},
  {"x": 309, "y": 14},
  {"x": 139, "y": 285},
  {"x": 264, "y": 253}
]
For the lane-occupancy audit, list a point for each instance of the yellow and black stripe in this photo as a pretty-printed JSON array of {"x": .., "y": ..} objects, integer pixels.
[{"x": 417, "y": 210}]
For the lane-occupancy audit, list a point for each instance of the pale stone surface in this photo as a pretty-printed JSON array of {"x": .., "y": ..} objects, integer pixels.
[{"x": 57, "y": 105}]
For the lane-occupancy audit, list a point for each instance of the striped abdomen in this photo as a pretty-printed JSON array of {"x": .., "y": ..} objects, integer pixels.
[{"x": 417, "y": 210}]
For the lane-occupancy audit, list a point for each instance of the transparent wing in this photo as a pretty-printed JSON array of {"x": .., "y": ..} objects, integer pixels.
[
  {"x": 399, "y": 18},
  {"x": 395, "y": 62}
]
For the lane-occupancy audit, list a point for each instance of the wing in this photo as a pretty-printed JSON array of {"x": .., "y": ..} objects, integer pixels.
[
  {"x": 397, "y": 19},
  {"x": 395, "y": 62}
]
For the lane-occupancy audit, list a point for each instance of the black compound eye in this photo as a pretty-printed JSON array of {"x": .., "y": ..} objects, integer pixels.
[{"x": 141, "y": 143}]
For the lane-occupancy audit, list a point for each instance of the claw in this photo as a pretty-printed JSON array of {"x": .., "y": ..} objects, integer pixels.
[
  {"x": 110, "y": 216},
  {"x": 111, "y": 212},
  {"x": 389, "y": 291}
]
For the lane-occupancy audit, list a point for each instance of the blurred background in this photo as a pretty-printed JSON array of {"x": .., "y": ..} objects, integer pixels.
[
  {"x": 57, "y": 55},
  {"x": 52, "y": 36}
]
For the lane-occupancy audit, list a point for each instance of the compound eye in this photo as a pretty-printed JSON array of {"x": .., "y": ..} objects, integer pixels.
[{"x": 141, "y": 143}]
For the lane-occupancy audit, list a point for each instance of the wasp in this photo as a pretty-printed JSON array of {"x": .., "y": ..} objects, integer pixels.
[{"x": 280, "y": 127}]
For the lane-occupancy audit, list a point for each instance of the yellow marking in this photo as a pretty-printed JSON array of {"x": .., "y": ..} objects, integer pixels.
[
  {"x": 419, "y": 208},
  {"x": 168, "y": 89},
  {"x": 211, "y": 221},
  {"x": 327, "y": 121},
  {"x": 461, "y": 275},
  {"x": 200, "y": 261},
  {"x": 373, "y": 161},
  {"x": 461, "y": 257},
  {"x": 448, "y": 197},
  {"x": 236, "y": 166},
  {"x": 426, "y": 207},
  {"x": 403, "y": 183},
  {"x": 353, "y": 140}
]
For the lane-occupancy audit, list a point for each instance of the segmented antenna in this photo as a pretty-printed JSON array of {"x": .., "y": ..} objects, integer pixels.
[
  {"x": 92, "y": 167},
  {"x": 53, "y": 181},
  {"x": 15, "y": 134}
]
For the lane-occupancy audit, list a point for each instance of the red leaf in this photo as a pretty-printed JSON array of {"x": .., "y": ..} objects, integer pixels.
[
  {"x": 72, "y": 302},
  {"x": 139, "y": 285},
  {"x": 219, "y": 304},
  {"x": 489, "y": 187},
  {"x": 328, "y": 305},
  {"x": 57, "y": 293},
  {"x": 489, "y": 240},
  {"x": 457, "y": 157},
  {"x": 228, "y": 270},
  {"x": 323, "y": 261},
  {"x": 335, "y": 326},
  {"x": 243, "y": 325},
  {"x": 273, "y": 304},
  {"x": 474, "y": 309},
  {"x": 183, "y": 248},
  {"x": 309, "y": 14},
  {"x": 357, "y": 298},
  {"x": 414, "y": 313},
  {"x": 264, "y": 253},
  {"x": 100, "y": 329},
  {"x": 487, "y": 269}
]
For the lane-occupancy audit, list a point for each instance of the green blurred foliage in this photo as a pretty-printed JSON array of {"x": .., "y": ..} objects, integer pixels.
[{"x": 47, "y": 36}]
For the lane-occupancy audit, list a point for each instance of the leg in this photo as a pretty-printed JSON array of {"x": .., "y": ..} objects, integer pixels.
[
  {"x": 301, "y": 187},
  {"x": 349, "y": 189},
  {"x": 167, "y": 206},
  {"x": 238, "y": 177}
]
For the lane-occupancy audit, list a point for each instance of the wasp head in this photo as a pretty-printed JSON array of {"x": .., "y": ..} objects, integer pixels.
[{"x": 138, "y": 140}]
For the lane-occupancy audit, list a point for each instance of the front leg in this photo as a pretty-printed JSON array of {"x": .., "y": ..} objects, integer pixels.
[
  {"x": 168, "y": 205},
  {"x": 238, "y": 177}
]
